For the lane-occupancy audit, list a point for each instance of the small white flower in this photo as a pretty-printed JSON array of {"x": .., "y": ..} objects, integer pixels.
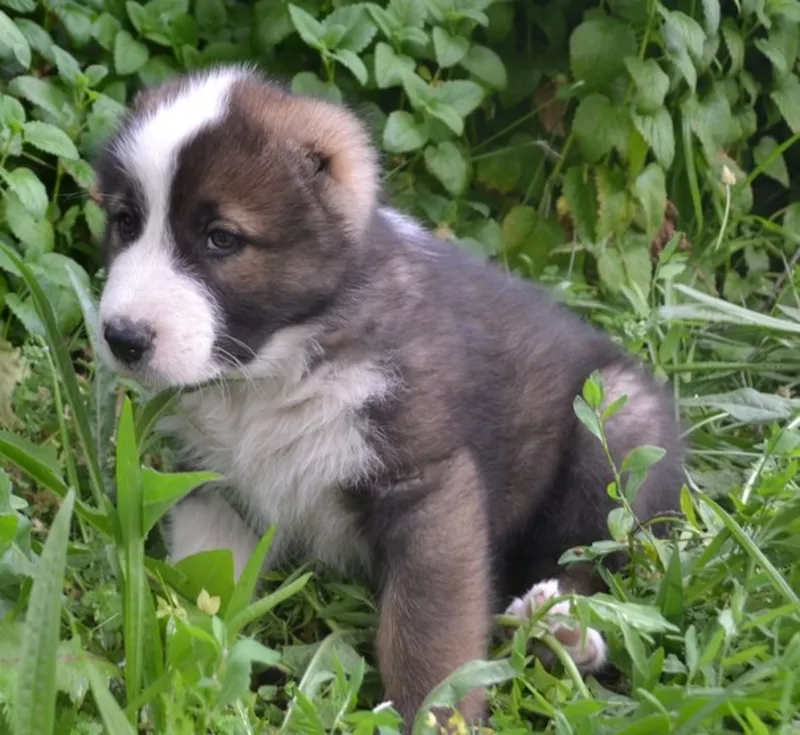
[
  {"x": 728, "y": 177},
  {"x": 208, "y": 604}
]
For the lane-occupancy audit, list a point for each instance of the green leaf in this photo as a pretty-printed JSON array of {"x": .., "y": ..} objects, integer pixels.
[
  {"x": 771, "y": 160},
  {"x": 50, "y": 139},
  {"x": 359, "y": 28},
  {"x": 105, "y": 29},
  {"x": 110, "y": 712},
  {"x": 390, "y": 67},
  {"x": 600, "y": 127},
  {"x": 130, "y": 55},
  {"x": 735, "y": 43},
  {"x": 597, "y": 51},
  {"x": 309, "y": 28},
  {"x": 41, "y": 92},
  {"x": 12, "y": 37},
  {"x": 620, "y": 523},
  {"x": 581, "y": 196},
  {"x": 659, "y": 134},
  {"x": 351, "y": 61},
  {"x": 461, "y": 94},
  {"x": 449, "y": 49},
  {"x": 28, "y": 188},
  {"x": 747, "y": 405},
  {"x": 246, "y": 586},
  {"x": 35, "y": 233},
  {"x": 447, "y": 164},
  {"x": 130, "y": 513},
  {"x": 711, "y": 14},
  {"x": 238, "y": 666},
  {"x": 486, "y": 65},
  {"x": 611, "y": 270},
  {"x": 650, "y": 188},
  {"x": 308, "y": 83},
  {"x": 210, "y": 15},
  {"x": 162, "y": 490},
  {"x": 650, "y": 81},
  {"x": 402, "y": 133},
  {"x": 260, "y": 608},
  {"x": 212, "y": 571},
  {"x": 11, "y": 111},
  {"x": 466, "y": 678},
  {"x": 35, "y": 700},
  {"x": 68, "y": 67},
  {"x": 787, "y": 98}
]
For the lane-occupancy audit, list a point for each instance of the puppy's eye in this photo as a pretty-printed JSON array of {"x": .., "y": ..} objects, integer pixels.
[
  {"x": 127, "y": 226},
  {"x": 223, "y": 242}
]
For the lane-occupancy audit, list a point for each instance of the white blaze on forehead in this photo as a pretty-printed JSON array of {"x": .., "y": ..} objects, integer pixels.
[{"x": 145, "y": 284}]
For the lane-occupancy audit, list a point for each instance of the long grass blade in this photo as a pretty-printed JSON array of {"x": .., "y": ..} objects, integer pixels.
[{"x": 35, "y": 700}]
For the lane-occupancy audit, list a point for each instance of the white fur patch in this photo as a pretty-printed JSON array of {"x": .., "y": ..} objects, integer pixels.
[
  {"x": 206, "y": 522},
  {"x": 144, "y": 283},
  {"x": 592, "y": 655},
  {"x": 285, "y": 443}
]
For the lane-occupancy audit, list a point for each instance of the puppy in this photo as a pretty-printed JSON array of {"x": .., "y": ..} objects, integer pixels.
[{"x": 401, "y": 410}]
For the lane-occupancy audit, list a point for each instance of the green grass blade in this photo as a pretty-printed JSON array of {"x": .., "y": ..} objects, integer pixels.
[
  {"x": 152, "y": 411},
  {"x": 749, "y": 546},
  {"x": 129, "y": 512},
  {"x": 265, "y": 604},
  {"x": 245, "y": 587},
  {"x": 66, "y": 372},
  {"x": 35, "y": 700},
  {"x": 110, "y": 712},
  {"x": 738, "y": 314}
]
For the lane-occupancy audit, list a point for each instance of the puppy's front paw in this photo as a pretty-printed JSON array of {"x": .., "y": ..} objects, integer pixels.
[{"x": 588, "y": 657}]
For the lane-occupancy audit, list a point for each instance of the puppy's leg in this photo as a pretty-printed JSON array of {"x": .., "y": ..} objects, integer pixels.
[
  {"x": 435, "y": 606},
  {"x": 204, "y": 521},
  {"x": 588, "y": 651},
  {"x": 578, "y": 510}
]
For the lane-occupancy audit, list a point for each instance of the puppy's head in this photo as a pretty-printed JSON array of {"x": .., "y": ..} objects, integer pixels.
[{"x": 234, "y": 209}]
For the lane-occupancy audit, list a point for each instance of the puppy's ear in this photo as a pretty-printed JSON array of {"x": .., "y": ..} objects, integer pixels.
[{"x": 336, "y": 146}]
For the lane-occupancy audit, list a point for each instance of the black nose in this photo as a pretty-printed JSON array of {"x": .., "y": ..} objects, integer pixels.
[{"x": 128, "y": 342}]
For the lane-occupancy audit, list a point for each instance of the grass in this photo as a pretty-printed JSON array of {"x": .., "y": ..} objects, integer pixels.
[{"x": 97, "y": 634}]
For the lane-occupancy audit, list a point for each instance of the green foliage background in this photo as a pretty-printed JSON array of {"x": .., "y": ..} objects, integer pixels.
[{"x": 639, "y": 156}]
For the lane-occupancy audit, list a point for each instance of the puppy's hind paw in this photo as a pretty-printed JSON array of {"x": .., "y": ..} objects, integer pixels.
[{"x": 590, "y": 656}]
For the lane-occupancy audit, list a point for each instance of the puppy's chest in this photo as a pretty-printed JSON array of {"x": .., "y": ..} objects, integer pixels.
[{"x": 286, "y": 457}]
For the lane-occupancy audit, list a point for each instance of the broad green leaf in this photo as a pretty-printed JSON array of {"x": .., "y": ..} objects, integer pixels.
[
  {"x": 787, "y": 98},
  {"x": 105, "y": 29},
  {"x": 650, "y": 188},
  {"x": 449, "y": 49},
  {"x": 447, "y": 164},
  {"x": 35, "y": 700},
  {"x": 461, "y": 94},
  {"x": 12, "y": 37},
  {"x": 162, "y": 490},
  {"x": 50, "y": 139},
  {"x": 210, "y": 15},
  {"x": 34, "y": 232},
  {"x": 466, "y": 678},
  {"x": 403, "y": 133},
  {"x": 308, "y": 83},
  {"x": 735, "y": 44},
  {"x": 351, "y": 61},
  {"x": 29, "y": 189},
  {"x": 359, "y": 28},
  {"x": 597, "y": 52},
  {"x": 770, "y": 160},
  {"x": 238, "y": 667},
  {"x": 711, "y": 15},
  {"x": 390, "y": 67},
  {"x": 130, "y": 55},
  {"x": 486, "y": 65},
  {"x": 581, "y": 196},
  {"x": 11, "y": 111},
  {"x": 657, "y": 130},
  {"x": 309, "y": 28},
  {"x": 41, "y": 92},
  {"x": 587, "y": 416},
  {"x": 68, "y": 67},
  {"x": 212, "y": 571},
  {"x": 650, "y": 81},
  {"x": 599, "y": 127}
]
